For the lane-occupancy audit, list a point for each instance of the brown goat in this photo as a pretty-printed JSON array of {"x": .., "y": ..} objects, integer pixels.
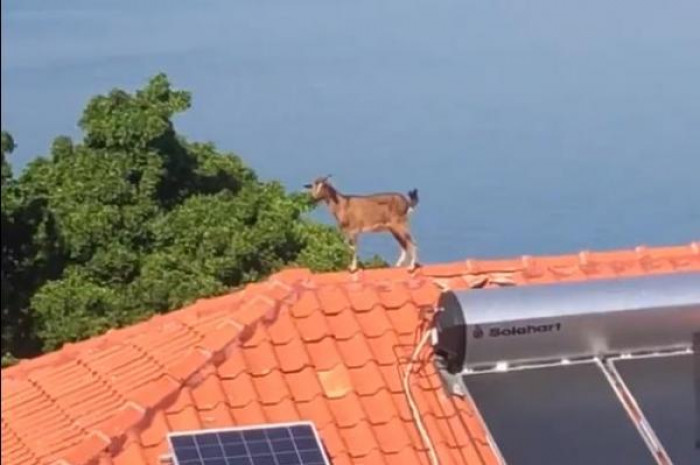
[{"x": 355, "y": 214}]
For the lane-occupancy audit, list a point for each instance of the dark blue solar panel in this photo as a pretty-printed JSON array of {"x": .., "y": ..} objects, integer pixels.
[{"x": 293, "y": 444}]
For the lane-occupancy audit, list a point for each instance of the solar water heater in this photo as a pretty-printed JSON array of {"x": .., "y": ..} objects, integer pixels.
[{"x": 601, "y": 371}]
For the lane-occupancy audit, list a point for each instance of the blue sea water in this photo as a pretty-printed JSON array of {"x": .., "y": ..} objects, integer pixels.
[{"x": 528, "y": 127}]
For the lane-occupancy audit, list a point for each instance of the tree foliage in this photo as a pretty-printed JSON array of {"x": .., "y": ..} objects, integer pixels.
[{"x": 135, "y": 219}]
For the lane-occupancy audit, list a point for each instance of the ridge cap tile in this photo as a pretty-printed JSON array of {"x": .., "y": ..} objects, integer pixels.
[
  {"x": 190, "y": 364},
  {"x": 87, "y": 450},
  {"x": 156, "y": 393},
  {"x": 254, "y": 310},
  {"x": 227, "y": 332}
]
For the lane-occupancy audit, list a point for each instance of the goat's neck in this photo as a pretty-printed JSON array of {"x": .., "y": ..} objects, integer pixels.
[{"x": 335, "y": 204}]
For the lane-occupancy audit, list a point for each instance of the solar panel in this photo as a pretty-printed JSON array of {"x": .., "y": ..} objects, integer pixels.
[
  {"x": 279, "y": 444},
  {"x": 663, "y": 388},
  {"x": 565, "y": 414}
]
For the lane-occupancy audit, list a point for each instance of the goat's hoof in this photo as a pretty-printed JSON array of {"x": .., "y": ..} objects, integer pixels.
[{"x": 414, "y": 267}]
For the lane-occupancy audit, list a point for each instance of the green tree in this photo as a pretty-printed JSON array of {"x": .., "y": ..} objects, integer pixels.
[{"x": 135, "y": 219}]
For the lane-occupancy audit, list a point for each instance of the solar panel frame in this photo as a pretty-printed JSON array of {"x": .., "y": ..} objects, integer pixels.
[
  {"x": 661, "y": 385},
  {"x": 225, "y": 440},
  {"x": 521, "y": 445}
]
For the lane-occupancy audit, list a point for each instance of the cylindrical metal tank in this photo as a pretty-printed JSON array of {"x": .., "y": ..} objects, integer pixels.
[{"x": 524, "y": 324}]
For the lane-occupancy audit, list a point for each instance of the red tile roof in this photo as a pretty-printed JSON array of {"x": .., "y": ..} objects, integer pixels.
[{"x": 330, "y": 348}]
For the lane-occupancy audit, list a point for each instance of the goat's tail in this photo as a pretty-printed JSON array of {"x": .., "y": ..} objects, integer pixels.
[{"x": 413, "y": 199}]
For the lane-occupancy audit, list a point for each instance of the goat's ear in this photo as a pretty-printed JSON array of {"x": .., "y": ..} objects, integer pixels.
[{"x": 307, "y": 186}]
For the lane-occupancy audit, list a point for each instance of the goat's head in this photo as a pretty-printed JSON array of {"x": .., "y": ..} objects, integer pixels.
[{"x": 321, "y": 189}]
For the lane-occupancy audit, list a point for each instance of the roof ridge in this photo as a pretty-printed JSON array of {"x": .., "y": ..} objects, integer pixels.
[{"x": 500, "y": 271}]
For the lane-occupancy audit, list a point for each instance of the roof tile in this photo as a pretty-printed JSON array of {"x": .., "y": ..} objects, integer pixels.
[
  {"x": 208, "y": 393},
  {"x": 384, "y": 347},
  {"x": 282, "y": 330},
  {"x": 391, "y": 436},
  {"x": 261, "y": 359},
  {"x": 313, "y": 327},
  {"x": 393, "y": 295},
  {"x": 280, "y": 412},
  {"x": 186, "y": 418},
  {"x": 156, "y": 430},
  {"x": 333, "y": 299},
  {"x": 424, "y": 293},
  {"x": 360, "y": 439},
  {"x": 333, "y": 441},
  {"x": 366, "y": 379},
  {"x": 406, "y": 455},
  {"x": 217, "y": 417},
  {"x": 374, "y": 323},
  {"x": 292, "y": 356},
  {"x": 304, "y": 385},
  {"x": 362, "y": 298},
  {"x": 405, "y": 319},
  {"x": 240, "y": 391},
  {"x": 354, "y": 351},
  {"x": 343, "y": 325},
  {"x": 306, "y": 304},
  {"x": 233, "y": 365},
  {"x": 324, "y": 354},
  {"x": 379, "y": 407},
  {"x": 346, "y": 410},
  {"x": 130, "y": 454},
  {"x": 335, "y": 382},
  {"x": 249, "y": 414},
  {"x": 271, "y": 388},
  {"x": 315, "y": 410}
]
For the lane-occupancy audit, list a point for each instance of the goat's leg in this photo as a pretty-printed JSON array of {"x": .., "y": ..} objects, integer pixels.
[
  {"x": 400, "y": 238},
  {"x": 402, "y": 258},
  {"x": 407, "y": 244},
  {"x": 413, "y": 249},
  {"x": 414, "y": 255},
  {"x": 352, "y": 242}
]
